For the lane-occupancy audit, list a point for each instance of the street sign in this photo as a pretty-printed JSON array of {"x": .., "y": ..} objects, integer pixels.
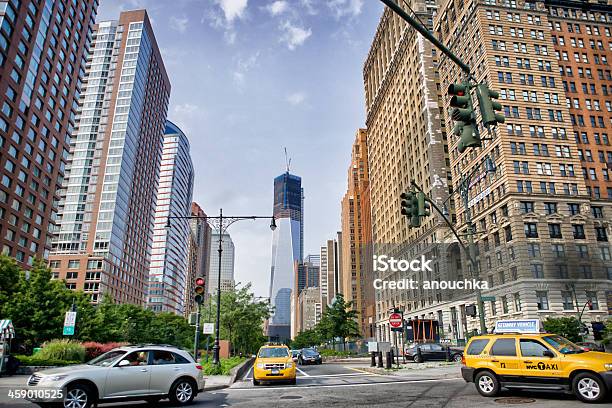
[
  {"x": 69, "y": 323},
  {"x": 208, "y": 328},
  {"x": 488, "y": 298},
  {"x": 395, "y": 320},
  {"x": 517, "y": 326}
]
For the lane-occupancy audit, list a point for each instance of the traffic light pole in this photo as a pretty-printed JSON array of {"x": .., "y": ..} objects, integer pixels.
[
  {"x": 196, "y": 341},
  {"x": 471, "y": 247}
]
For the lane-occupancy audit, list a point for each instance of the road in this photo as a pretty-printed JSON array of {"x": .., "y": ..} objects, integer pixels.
[{"x": 345, "y": 385}]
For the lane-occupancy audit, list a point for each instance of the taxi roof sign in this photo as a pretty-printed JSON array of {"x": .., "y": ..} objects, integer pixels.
[{"x": 517, "y": 326}]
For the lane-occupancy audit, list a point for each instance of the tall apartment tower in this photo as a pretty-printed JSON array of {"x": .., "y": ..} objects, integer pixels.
[
  {"x": 105, "y": 221},
  {"x": 202, "y": 233},
  {"x": 168, "y": 274},
  {"x": 287, "y": 249},
  {"x": 542, "y": 234},
  {"x": 406, "y": 141},
  {"x": 43, "y": 46},
  {"x": 357, "y": 280},
  {"x": 227, "y": 264}
]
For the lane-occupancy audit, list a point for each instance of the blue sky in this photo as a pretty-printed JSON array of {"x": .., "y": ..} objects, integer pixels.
[{"x": 250, "y": 77}]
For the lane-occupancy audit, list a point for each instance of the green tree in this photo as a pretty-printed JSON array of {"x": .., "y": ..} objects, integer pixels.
[
  {"x": 607, "y": 334},
  {"x": 568, "y": 327},
  {"x": 9, "y": 280},
  {"x": 242, "y": 319},
  {"x": 38, "y": 305},
  {"x": 307, "y": 338},
  {"x": 339, "y": 320}
]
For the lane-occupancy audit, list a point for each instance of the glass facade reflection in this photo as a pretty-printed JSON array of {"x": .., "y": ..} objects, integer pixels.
[
  {"x": 169, "y": 270},
  {"x": 287, "y": 248}
]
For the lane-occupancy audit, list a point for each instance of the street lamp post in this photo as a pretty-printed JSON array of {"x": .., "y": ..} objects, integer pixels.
[{"x": 221, "y": 223}]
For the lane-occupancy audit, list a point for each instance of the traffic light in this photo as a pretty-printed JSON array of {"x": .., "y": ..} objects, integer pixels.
[
  {"x": 422, "y": 205},
  {"x": 488, "y": 106},
  {"x": 463, "y": 114},
  {"x": 199, "y": 290},
  {"x": 410, "y": 208}
]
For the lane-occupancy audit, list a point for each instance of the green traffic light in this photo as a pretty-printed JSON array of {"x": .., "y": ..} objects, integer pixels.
[{"x": 488, "y": 106}]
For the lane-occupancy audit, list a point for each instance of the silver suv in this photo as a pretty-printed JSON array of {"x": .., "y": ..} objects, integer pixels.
[{"x": 142, "y": 372}]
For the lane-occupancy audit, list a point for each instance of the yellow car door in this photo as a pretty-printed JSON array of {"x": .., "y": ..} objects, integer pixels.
[
  {"x": 504, "y": 358},
  {"x": 539, "y": 363}
]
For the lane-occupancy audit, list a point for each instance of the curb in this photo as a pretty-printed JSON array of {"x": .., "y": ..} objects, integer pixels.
[{"x": 240, "y": 370}]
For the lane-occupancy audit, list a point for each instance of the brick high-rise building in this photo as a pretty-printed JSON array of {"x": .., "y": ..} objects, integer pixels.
[
  {"x": 406, "y": 141},
  {"x": 541, "y": 231},
  {"x": 43, "y": 46},
  {"x": 105, "y": 226},
  {"x": 356, "y": 274}
]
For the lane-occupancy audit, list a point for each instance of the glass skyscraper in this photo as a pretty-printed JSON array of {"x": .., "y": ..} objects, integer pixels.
[
  {"x": 169, "y": 269},
  {"x": 287, "y": 248}
]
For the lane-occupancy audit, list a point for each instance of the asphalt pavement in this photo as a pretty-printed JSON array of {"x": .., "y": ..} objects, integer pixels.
[{"x": 343, "y": 384}]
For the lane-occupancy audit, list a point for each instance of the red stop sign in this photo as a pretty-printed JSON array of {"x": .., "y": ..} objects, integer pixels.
[{"x": 395, "y": 320}]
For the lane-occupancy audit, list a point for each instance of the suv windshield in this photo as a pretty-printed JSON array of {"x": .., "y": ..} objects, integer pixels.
[
  {"x": 563, "y": 345},
  {"x": 107, "y": 359},
  {"x": 308, "y": 352},
  {"x": 269, "y": 352}
]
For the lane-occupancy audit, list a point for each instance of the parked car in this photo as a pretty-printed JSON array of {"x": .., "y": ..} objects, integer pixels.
[
  {"x": 310, "y": 356},
  {"x": 590, "y": 346},
  {"x": 432, "y": 352},
  {"x": 143, "y": 372}
]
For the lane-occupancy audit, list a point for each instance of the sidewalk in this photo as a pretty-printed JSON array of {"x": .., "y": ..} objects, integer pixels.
[{"x": 409, "y": 370}]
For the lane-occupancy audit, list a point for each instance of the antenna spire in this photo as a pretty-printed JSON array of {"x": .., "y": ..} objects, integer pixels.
[{"x": 287, "y": 160}]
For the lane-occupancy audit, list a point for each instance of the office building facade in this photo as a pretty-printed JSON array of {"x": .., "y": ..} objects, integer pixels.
[
  {"x": 227, "y": 264},
  {"x": 104, "y": 236},
  {"x": 356, "y": 272},
  {"x": 287, "y": 249},
  {"x": 43, "y": 47},
  {"x": 202, "y": 233},
  {"x": 541, "y": 237},
  {"x": 169, "y": 270},
  {"x": 405, "y": 141}
]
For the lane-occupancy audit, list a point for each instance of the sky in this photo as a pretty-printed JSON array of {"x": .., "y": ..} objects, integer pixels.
[{"x": 251, "y": 77}]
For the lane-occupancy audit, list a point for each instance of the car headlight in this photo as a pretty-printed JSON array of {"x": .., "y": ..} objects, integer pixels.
[
  {"x": 260, "y": 365},
  {"x": 608, "y": 366},
  {"x": 288, "y": 365},
  {"x": 52, "y": 378}
]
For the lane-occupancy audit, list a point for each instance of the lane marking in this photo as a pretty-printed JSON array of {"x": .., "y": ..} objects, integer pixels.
[
  {"x": 247, "y": 377},
  {"x": 370, "y": 384},
  {"x": 365, "y": 372},
  {"x": 362, "y": 374},
  {"x": 303, "y": 373}
]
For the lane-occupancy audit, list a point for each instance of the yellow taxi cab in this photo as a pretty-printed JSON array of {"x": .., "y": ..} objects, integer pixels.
[
  {"x": 274, "y": 363},
  {"x": 520, "y": 356}
]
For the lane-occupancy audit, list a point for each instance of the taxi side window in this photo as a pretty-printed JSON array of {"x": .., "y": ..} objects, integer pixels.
[
  {"x": 476, "y": 346},
  {"x": 504, "y": 347},
  {"x": 532, "y": 348}
]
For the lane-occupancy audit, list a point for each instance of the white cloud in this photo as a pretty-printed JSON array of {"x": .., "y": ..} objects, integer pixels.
[
  {"x": 277, "y": 7},
  {"x": 233, "y": 9},
  {"x": 342, "y": 8},
  {"x": 293, "y": 35},
  {"x": 179, "y": 23},
  {"x": 243, "y": 66},
  {"x": 296, "y": 98},
  {"x": 186, "y": 109}
]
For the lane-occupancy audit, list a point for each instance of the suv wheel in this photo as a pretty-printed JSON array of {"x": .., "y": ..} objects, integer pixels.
[
  {"x": 457, "y": 358},
  {"x": 256, "y": 382},
  {"x": 182, "y": 392},
  {"x": 79, "y": 396},
  {"x": 589, "y": 388},
  {"x": 417, "y": 359},
  {"x": 487, "y": 384}
]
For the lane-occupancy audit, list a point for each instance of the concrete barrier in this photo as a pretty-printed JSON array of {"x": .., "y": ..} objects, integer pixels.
[{"x": 240, "y": 370}]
